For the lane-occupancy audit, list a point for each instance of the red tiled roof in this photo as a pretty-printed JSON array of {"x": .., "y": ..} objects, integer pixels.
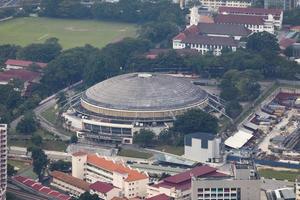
[
  {"x": 101, "y": 187},
  {"x": 24, "y": 75},
  {"x": 286, "y": 42},
  {"x": 159, "y": 197},
  {"x": 68, "y": 179},
  {"x": 101, "y": 162},
  {"x": 180, "y": 36},
  {"x": 45, "y": 190},
  {"x": 239, "y": 19},
  {"x": 37, "y": 186},
  {"x": 197, "y": 171},
  {"x": 29, "y": 182},
  {"x": 20, "y": 178},
  {"x": 63, "y": 197},
  {"x": 24, "y": 63},
  {"x": 250, "y": 11},
  {"x": 79, "y": 153},
  {"x": 54, "y": 193},
  {"x": 191, "y": 30}
]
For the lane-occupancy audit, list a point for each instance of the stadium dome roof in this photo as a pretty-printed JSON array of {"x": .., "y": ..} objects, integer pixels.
[{"x": 144, "y": 92}]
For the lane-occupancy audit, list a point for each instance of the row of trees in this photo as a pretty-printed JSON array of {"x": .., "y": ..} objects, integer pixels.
[
  {"x": 292, "y": 17},
  {"x": 192, "y": 121},
  {"x": 135, "y": 11}
]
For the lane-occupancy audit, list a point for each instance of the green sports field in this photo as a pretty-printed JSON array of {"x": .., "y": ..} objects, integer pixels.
[{"x": 71, "y": 33}]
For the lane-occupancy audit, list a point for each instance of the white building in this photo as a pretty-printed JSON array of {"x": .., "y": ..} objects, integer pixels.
[
  {"x": 3, "y": 161},
  {"x": 178, "y": 187},
  {"x": 67, "y": 183},
  {"x": 105, "y": 191},
  {"x": 253, "y": 23},
  {"x": 277, "y": 14},
  {"x": 202, "y": 147},
  {"x": 215, "y": 4},
  {"x": 93, "y": 168},
  {"x": 243, "y": 185}
]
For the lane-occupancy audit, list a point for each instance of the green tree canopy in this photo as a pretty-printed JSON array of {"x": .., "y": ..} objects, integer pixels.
[
  {"x": 144, "y": 137},
  {"x": 262, "y": 41},
  {"x": 60, "y": 165},
  {"x": 88, "y": 196},
  {"x": 28, "y": 124},
  {"x": 196, "y": 120},
  {"x": 233, "y": 108},
  {"x": 40, "y": 161}
]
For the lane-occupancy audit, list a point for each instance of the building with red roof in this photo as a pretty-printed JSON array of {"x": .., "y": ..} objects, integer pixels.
[
  {"x": 159, "y": 197},
  {"x": 23, "y": 64},
  {"x": 276, "y": 14},
  {"x": 93, "y": 168},
  {"x": 105, "y": 191},
  {"x": 205, "y": 37},
  {"x": 179, "y": 186},
  {"x": 39, "y": 188},
  {"x": 69, "y": 184},
  {"x": 252, "y": 22}
]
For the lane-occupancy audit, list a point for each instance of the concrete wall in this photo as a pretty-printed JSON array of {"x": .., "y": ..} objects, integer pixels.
[{"x": 78, "y": 167}]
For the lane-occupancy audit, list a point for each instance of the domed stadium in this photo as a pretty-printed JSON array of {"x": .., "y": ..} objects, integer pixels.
[
  {"x": 143, "y": 96},
  {"x": 112, "y": 110}
]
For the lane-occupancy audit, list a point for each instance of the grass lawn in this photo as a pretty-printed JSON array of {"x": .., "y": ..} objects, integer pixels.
[
  {"x": 50, "y": 115},
  {"x": 19, "y": 164},
  {"x": 71, "y": 33},
  {"x": 279, "y": 175},
  {"x": 134, "y": 154},
  {"x": 47, "y": 145},
  {"x": 177, "y": 150}
]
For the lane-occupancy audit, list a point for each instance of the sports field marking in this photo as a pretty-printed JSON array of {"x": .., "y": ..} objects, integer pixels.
[
  {"x": 43, "y": 36},
  {"x": 71, "y": 28}
]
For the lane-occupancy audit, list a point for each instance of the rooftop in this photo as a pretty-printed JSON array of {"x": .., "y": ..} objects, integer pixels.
[
  {"x": 210, "y": 40},
  {"x": 256, "y": 11},
  {"x": 66, "y": 178},
  {"x": 239, "y": 19},
  {"x": 159, "y": 197},
  {"x": 109, "y": 165},
  {"x": 203, "y": 136},
  {"x": 24, "y": 63},
  {"x": 24, "y": 75},
  {"x": 136, "y": 92},
  {"x": 223, "y": 29},
  {"x": 101, "y": 187},
  {"x": 182, "y": 180}
]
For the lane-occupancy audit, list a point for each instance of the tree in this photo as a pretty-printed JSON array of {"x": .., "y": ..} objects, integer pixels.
[
  {"x": 8, "y": 51},
  {"x": 28, "y": 124},
  {"x": 74, "y": 139},
  {"x": 44, "y": 52},
  {"x": 60, "y": 165},
  {"x": 36, "y": 140},
  {"x": 262, "y": 41},
  {"x": 289, "y": 51},
  {"x": 10, "y": 170},
  {"x": 40, "y": 161},
  {"x": 88, "y": 196},
  {"x": 196, "y": 120},
  {"x": 144, "y": 137},
  {"x": 233, "y": 108},
  {"x": 292, "y": 17}
]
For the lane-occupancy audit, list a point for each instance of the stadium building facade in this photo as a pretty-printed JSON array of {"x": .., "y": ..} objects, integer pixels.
[{"x": 112, "y": 110}]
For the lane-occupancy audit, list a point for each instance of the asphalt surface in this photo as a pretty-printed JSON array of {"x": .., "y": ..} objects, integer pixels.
[{"x": 46, "y": 124}]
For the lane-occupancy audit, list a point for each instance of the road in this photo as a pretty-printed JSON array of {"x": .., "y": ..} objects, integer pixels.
[
  {"x": 24, "y": 195},
  {"x": 46, "y": 124}
]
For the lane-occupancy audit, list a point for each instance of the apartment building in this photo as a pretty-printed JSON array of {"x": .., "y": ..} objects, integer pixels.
[
  {"x": 3, "y": 161},
  {"x": 178, "y": 187},
  {"x": 243, "y": 185},
  {"x": 277, "y": 14},
  {"x": 297, "y": 188},
  {"x": 67, "y": 183},
  {"x": 93, "y": 168},
  {"x": 253, "y": 23}
]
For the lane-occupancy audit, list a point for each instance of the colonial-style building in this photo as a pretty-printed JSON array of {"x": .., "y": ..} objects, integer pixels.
[
  {"x": 253, "y": 23},
  {"x": 277, "y": 14},
  {"x": 93, "y": 168},
  {"x": 213, "y": 38}
]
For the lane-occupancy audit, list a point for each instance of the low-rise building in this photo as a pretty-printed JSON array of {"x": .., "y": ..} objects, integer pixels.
[
  {"x": 67, "y": 183},
  {"x": 178, "y": 187},
  {"x": 244, "y": 184},
  {"x": 253, "y": 23},
  {"x": 93, "y": 168},
  {"x": 215, "y": 4},
  {"x": 23, "y": 64},
  {"x": 277, "y": 14},
  {"x": 282, "y": 194},
  {"x": 105, "y": 191},
  {"x": 210, "y": 37},
  {"x": 202, "y": 147}
]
